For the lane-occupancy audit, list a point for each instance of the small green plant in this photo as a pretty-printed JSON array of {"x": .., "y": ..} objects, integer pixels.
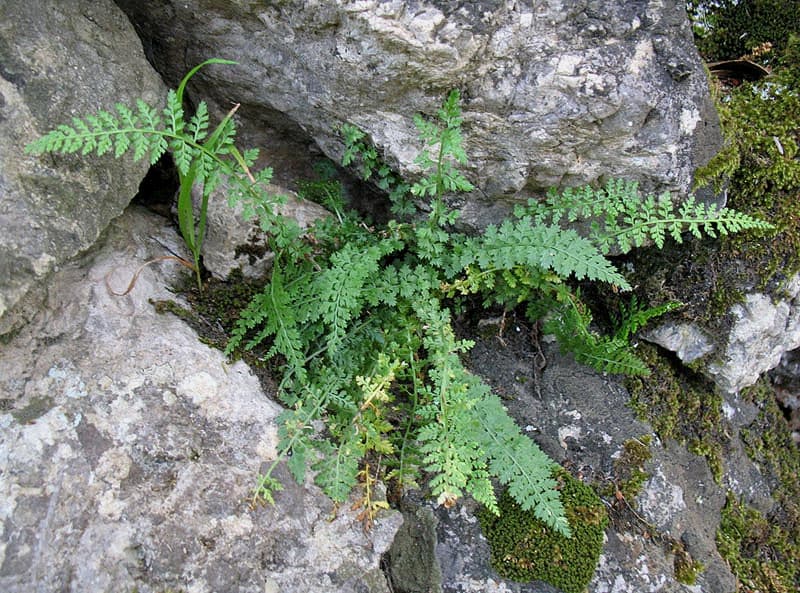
[
  {"x": 361, "y": 317},
  {"x": 202, "y": 159}
]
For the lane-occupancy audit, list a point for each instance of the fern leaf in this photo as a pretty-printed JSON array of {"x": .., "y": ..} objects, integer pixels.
[
  {"x": 158, "y": 146},
  {"x": 569, "y": 322},
  {"x": 198, "y": 124},
  {"x": 519, "y": 463},
  {"x": 549, "y": 247},
  {"x": 173, "y": 113},
  {"x": 634, "y": 316},
  {"x": 338, "y": 469},
  {"x": 340, "y": 289}
]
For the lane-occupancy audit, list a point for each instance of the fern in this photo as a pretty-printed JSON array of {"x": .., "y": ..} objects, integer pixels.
[
  {"x": 621, "y": 219},
  {"x": 519, "y": 463},
  {"x": 360, "y": 315},
  {"x": 203, "y": 160},
  {"x": 538, "y": 246}
]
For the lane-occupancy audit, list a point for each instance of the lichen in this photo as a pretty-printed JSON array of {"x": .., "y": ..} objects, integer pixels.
[{"x": 524, "y": 549}]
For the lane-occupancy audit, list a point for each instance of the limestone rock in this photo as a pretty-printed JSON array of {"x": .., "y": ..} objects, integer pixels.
[
  {"x": 59, "y": 60},
  {"x": 762, "y": 331},
  {"x": 555, "y": 94},
  {"x": 128, "y": 451},
  {"x": 233, "y": 243},
  {"x": 581, "y": 419}
]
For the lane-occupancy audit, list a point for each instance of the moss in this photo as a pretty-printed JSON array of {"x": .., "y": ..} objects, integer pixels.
[
  {"x": 686, "y": 568},
  {"x": 729, "y": 30},
  {"x": 760, "y": 552},
  {"x": 764, "y": 550},
  {"x": 525, "y": 549},
  {"x": 629, "y": 472},
  {"x": 759, "y": 163},
  {"x": 680, "y": 405},
  {"x": 214, "y": 310}
]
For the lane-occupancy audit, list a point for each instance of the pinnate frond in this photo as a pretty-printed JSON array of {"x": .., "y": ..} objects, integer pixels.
[
  {"x": 519, "y": 463},
  {"x": 621, "y": 218},
  {"x": 523, "y": 242}
]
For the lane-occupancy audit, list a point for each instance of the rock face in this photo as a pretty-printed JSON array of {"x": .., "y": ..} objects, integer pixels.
[
  {"x": 128, "y": 452},
  {"x": 582, "y": 419},
  {"x": 81, "y": 57},
  {"x": 762, "y": 330},
  {"x": 555, "y": 93},
  {"x": 234, "y": 243}
]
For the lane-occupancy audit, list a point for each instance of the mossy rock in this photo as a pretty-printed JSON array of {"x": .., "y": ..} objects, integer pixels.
[{"x": 524, "y": 549}]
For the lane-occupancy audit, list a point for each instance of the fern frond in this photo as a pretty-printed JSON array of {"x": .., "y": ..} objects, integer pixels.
[
  {"x": 448, "y": 450},
  {"x": 519, "y": 463},
  {"x": 339, "y": 289},
  {"x": 102, "y": 132},
  {"x": 568, "y": 320},
  {"x": 634, "y": 316},
  {"x": 338, "y": 469},
  {"x": 622, "y": 219},
  {"x": 198, "y": 125},
  {"x": 522, "y": 242},
  {"x": 274, "y": 310}
]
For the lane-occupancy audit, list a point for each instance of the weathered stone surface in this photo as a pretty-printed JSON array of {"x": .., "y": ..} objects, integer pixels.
[
  {"x": 762, "y": 330},
  {"x": 128, "y": 451},
  {"x": 686, "y": 340},
  {"x": 59, "y": 60},
  {"x": 786, "y": 378},
  {"x": 234, "y": 243},
  {"x": 555, "y": 93}
]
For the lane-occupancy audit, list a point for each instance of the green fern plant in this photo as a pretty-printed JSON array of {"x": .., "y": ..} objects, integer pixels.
[
  {"x": 203, "y": 158},
  {"x": 360, "y": 317}
]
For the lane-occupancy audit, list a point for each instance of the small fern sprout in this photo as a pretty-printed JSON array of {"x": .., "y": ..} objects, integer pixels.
[{"x": 203, "y": 159}]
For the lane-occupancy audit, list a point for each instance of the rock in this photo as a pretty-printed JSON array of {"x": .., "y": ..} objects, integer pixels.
[
  {"x": 686, "y": 340},
  {"x": 582, "y": 419},
  {"x": 58, "y": 61},
  {"x": 554, "y": 95},
  {"x": 129, "y": 451},
  {"x": 762, "y": 330},
  {"x": 233, "y": 243},
  {"x": 786, "y": 379}
]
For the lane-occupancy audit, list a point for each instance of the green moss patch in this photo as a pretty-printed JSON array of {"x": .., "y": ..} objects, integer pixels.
[
  {"x": 629, "y": 472},
  {"x": 525, "y": 549}
]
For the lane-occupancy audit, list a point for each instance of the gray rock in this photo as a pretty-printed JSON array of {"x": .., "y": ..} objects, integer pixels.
[
  {"x": 129, "y": 450},
  {"x": 555, "y": 94},
  {"x": 686, "y": 340},
  {"x": 234, "y": 243},
  {"x": 412, "y": 564},
  {"x": 581, "y": 418},
  {"x": 762, "y": 330},
  {"x": 59, "y": 60}
]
